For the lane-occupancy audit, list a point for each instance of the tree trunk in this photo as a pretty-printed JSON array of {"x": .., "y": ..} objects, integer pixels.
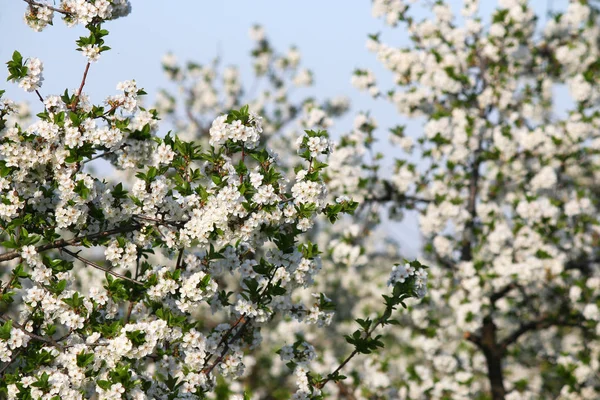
[{"x": 493, "y": 357}]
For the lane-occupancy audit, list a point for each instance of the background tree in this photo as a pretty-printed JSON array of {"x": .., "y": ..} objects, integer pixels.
[{"x": 509, "y": 190}]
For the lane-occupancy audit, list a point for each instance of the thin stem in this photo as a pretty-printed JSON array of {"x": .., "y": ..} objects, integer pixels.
[
  {"x": 39, "y": 338},
  {"x": 93, "y": 264},
  {"x": 330, "y": 376},
  {"x": 37, "y": 4},
  {"x": 39, "y": 96},
  {"x": 78, "y": 94},
  {"x": 12, "y": 360},
  {"x": 112, "y": 108},
  {"x": 160, "y": 221},
  {"x": 239, "y": 333},
  {"x": 77, "y": 240},
  {"x": 228, "y": 343}
]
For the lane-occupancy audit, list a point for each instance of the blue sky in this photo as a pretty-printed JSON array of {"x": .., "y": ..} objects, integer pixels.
[{"x": 330, "y": 34}]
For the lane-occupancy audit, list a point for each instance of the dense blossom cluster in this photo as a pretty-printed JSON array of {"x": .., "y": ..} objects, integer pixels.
[
  {"x": 40, "y": 14},
  {"x": 248, "y": 135},
  {"x": 28, "y": 74},
  {"x": 202, "y": 264},
  {"x": 348, "y": 272},
  {"x": 166, "y": 284},
  {"x": 507, "y": 198}
]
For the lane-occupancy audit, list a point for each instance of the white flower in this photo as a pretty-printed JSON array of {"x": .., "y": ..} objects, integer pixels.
[
  {"x": 164, "y": 154},
  {"x": 91, "y": 52}
]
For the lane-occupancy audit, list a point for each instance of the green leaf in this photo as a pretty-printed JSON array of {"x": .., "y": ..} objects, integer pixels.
[
  {"x": 5, "y": 330},
  {"x": 17, "y": 57},
  {"x": 83, "y": 359}
]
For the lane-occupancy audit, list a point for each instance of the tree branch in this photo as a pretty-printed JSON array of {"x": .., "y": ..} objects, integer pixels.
[
  {"x": 78, "y": 94},
  {"x": 38, "y": 4},
  {"x": 544, "y": 322},
  {"x": 39, "y": 338},
  {"x": 502, "y": 292},
  {"x": 9, "y": 363},
  {"x": 101, "y": 268},
  {"x": 391, "y": 194},
  {"x": 63, "y": 243}
]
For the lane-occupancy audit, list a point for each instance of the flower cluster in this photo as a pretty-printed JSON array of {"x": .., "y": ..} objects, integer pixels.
[
  {"x": 40, "y": 14},
  {"x": 169, "y": 280},
  {"x": 28, "y": 73},
  {"x": 403, "y": 273},
  {"x": 246, "y": 132}
]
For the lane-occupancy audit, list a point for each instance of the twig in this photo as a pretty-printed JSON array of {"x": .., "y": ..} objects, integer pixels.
[
  {"x": 160, "y": 221},
  {"x": 330, "y": 376},
  {"x": 226, "y": 348},
  {"x": 37, "y": 4},
  {"x": 78, "y": 94},
  {"x": 502, "y": 292},
  {"x": 62, "y": 243},
  {"x": 246, "y": 322},
  {"x": 39, "y": 338},
  {"x": 39, "y": 96},
  {"x": 12, "y": 360},
  {"x": 93, "y": 264},
  {"x": 542, "y": 323}
]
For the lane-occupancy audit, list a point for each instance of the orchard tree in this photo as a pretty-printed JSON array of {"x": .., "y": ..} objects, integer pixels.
[
  {"x": 507, "y": 191},
  {"x": 162, "y": 286},
  {"x": 356, "y": 251},
  {"x": 204, "y": 90}
]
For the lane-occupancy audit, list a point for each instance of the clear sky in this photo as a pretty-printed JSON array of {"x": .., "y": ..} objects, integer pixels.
[{"x": 330, "y": 34}]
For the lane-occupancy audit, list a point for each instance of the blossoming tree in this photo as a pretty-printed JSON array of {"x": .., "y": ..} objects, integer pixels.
[
  {"x": 160, "y": 286},
  {"x": 215, "y": 253},
  {"x": 507, "y": 192},
  {"x": 356, "y": 251}
]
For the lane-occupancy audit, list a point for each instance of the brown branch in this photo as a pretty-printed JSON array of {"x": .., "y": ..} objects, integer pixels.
[
  {"x": 107, "y": 270},
  {"x": 39, "y": 338},
  {"x": 544, "y": 322},
  {"x": 103, "y": 154},
  {"x": 78, "y": 94},
  {"x": 12, "y": 360},
  {"x": 487, "y": 342},
  {"x": 466, "y": 252},
  {"x": 37, "y": 4},
  {"x": 582, "y": 264},
  {"x": 502, "y": 292},
  {"x": 39, "y": 96},
  {"x": 238, "y": 334},
  {"x": 226, "y": 334},
  {"x": 112, "y": 108},
  {"x": 71, "y": 242},
  {"x": 224, "y": 339},
  {"x": 129, "y": 310},
  {"x": 391, "y": 194},
  {"x": 176, "y": 224},
  {"x": 473, "y": 338}
]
